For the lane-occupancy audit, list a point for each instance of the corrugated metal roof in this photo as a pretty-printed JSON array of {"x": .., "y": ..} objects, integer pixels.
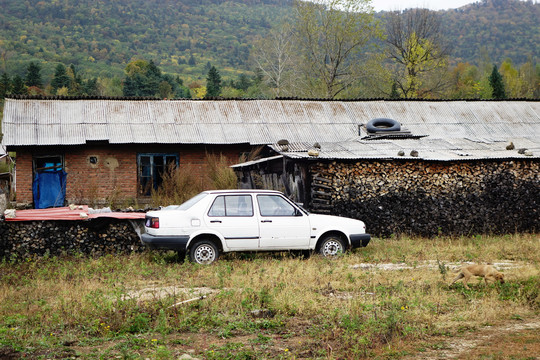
[
  {"x": 490, "y": 124},
  {"x": 427, "y": 148}
]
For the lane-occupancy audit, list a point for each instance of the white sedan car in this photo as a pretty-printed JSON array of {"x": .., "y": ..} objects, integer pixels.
[{"x": 248, "y": 220}]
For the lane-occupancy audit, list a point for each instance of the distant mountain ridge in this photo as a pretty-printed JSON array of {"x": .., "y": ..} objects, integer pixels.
[
  {"x": 183, "y": 36},
  {"x": 506, "y": 28}
]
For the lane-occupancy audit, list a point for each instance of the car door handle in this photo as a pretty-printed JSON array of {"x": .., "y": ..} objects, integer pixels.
[
  {"x": 215, "y": 221},
  {"x": 266, "y": 220}
]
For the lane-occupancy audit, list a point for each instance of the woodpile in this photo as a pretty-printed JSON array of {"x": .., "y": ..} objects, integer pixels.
[
  {"x": 431, "y": 198},
  {"x": 94, "y": 237}
]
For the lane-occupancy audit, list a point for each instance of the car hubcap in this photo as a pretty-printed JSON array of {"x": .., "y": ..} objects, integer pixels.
[
  {"x": 331, "y": 248},
  {"x": 204, "y": 254}
]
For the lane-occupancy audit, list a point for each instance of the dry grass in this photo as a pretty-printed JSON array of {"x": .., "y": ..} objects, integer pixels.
[
  {"x": 181, "y": 184},
  {"x": 349, "y": 307},
  {"x": 220, "y": 175}
]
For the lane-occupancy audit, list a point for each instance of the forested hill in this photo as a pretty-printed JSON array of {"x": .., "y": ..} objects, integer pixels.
[
  {"x": 102, "y": 36},
  {"x": 182, "y": 36},
  {"x": 506, "y": 28}
]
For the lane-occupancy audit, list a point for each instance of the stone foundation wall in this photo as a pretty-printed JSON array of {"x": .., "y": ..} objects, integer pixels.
[
  {"x": 23, "y": 239},
  {"x": 431, "y": 198}
]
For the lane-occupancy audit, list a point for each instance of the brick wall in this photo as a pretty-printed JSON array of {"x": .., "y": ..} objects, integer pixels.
[{"x": 105, "y": 172}]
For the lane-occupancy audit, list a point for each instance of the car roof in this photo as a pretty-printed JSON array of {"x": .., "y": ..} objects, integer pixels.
[{"x": 243, "y": 191}]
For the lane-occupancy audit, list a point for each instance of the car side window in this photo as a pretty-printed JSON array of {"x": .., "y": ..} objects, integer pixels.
[
  {"x": 232, "y": 205},
  {"x": 274, "y": 205}
]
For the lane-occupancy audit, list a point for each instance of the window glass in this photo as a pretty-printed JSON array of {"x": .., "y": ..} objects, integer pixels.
[
  {"x": 151, "y": 168},
  {"x": 232, "y": 205},
  {"x": 188, "y": 204},
  {"x": 274, "y": 205},
  {"x": 218, "y": 207}
]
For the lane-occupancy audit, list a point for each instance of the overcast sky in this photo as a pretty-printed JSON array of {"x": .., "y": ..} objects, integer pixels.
[{"x": 430, "y": 4}]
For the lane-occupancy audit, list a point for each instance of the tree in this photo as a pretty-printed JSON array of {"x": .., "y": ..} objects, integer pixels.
[
  {"x": 213, "y": 83},
  {"x": 530, "y": 75},
  {"x": 465, "y": 82},
  {"x": 243, "y": 82},
  {"x": 394, "y": 94},
  {"x": 418, "y": 50},
  {"x": 5, "y": 85},
  {"x": 497, "y": 84},
  {"x": 75, "y": 81},
  {"x": 60, "y": 79},
  {"x": 332, "y": 36},
  {"x": 273, "y": 55},
  {"x": 90, "y": 87},
  {"x": 165, "y": 90},
  {"x": 33, "y": 76},
  {"x": 142, "y": 79},
  {"x": 18, "y": 87}
]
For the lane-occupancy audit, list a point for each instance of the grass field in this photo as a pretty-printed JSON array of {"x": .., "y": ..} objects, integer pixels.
[{"x": 390, "y": 300}]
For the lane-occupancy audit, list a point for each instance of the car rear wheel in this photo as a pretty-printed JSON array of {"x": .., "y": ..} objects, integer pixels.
[
  {"x": 204, "y": 252},
  {"x": 331, "y": 246}
]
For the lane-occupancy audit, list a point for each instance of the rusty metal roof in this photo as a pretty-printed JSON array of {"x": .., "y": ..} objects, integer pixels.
[{"x": 452, "y": 129}]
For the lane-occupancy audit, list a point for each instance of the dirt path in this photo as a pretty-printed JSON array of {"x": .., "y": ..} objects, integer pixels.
[{"x": 518, "y": 340}]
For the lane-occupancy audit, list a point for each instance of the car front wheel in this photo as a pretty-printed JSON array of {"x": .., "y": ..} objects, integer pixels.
[
  {"x": 331, "y": 246},
  {"x": 204, "y": 252}
]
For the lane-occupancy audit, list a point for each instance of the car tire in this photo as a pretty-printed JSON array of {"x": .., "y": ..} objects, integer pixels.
[
  {"x": 382, "y": 124},
  {"x": 203, "y": 252},
  {"x": 331, "y": 245}
]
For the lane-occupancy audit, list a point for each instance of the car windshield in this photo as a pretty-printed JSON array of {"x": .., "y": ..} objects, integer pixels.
[{"x": 188, "y": 204}]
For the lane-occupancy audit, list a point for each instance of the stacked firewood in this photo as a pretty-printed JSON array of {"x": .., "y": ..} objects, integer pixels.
[
  {"x": 23, "y": 239},
  {"x": 431, "y": 198}
]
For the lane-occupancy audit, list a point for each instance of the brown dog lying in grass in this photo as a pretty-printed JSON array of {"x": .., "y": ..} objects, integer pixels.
[{"x": 485, "y": 271}]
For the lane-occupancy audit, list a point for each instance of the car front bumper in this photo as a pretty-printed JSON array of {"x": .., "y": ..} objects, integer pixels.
[
  {"x": 359, "y": 240},
  {"x": 177, "y": 242}
]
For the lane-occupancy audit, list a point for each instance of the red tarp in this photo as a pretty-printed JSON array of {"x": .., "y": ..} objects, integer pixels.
[{"x": 67, "y": 213}]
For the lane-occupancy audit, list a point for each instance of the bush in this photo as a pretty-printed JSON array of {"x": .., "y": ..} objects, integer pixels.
[{"x": 182, "y": 183}]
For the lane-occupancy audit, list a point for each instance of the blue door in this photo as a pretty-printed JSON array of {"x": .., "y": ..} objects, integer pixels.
[{"x": 49, "y": 186}]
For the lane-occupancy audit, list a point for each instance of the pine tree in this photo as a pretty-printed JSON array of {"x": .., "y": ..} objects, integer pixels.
[
  {"x": 60, "y": 79},
  {"x": 90, "y": 87},
  {"x": 33, "y": 76},
  {"x": 18, "y": 86},
  {"x": 497, "y": 84},
  {"x": 5, "y": 85},
  {"x": 213, "y": 83},
  {"x": 191, "y": 61}
]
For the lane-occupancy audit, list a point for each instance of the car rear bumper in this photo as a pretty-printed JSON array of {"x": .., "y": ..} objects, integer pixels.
[
  {"x": 359, "y": 240},
  {"x": 172, "y": 242}
]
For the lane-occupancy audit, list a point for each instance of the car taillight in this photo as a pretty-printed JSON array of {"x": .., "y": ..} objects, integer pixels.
[{"x": 152, "y": 222}]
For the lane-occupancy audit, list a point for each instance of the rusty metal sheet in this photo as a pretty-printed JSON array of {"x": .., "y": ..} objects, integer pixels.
[{"x": 250, "y": 112}]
